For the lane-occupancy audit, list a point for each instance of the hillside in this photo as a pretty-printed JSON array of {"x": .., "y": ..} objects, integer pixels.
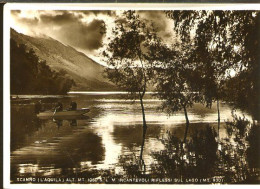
[{"x": 87, "y": 74}]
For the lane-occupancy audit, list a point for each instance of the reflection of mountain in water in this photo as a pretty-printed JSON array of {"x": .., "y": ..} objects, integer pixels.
[
  {"x": 64, "y": 147},
  {"x": 23, "y": 124},
  {"x": 65, "y": 153}
]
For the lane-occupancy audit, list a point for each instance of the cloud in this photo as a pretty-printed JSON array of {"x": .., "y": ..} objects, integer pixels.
[
  {"x": 97, "y": 12},
  {"x": 64, "y": 18},
  {"x": 85, "y": 36},
  {"x": 157, "y": 17},
  {"x": 16, "y": 11},
  {"x": 24, "y": 20},
  {"x": 84, "y": 29},
  {"x": 121, "y": 20},
  {"x": 29, "y": 21},
  {"x": 70, "y": 27},
  {"x": 162, "y": 24}
]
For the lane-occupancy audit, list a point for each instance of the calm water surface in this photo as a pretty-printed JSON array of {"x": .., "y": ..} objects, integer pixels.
[{"x": 113, "y": 128}]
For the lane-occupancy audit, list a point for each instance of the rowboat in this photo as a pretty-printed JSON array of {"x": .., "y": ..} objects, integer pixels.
[
  {"x": 64, "y": 113},
  {"x": 68, "y": 118}
]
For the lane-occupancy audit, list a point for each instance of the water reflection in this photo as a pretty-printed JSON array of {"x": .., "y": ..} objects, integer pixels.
[
  {"x": 62, "y": 152},
  {"x": 131, "y": 136},
  {"x": 111, "y": 140},
  {"x": 222, "y": 161}
]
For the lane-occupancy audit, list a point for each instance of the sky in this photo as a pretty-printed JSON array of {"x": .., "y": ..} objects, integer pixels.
[{"x": 83, "y": 29}]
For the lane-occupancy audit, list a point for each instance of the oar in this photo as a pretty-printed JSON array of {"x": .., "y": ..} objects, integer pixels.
[{"x": 54, "y": 113}]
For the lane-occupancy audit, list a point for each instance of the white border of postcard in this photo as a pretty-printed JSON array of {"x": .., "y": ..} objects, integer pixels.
[{"x": 87, "y": 6}]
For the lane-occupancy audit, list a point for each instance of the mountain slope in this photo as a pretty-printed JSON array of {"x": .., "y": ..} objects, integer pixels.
[{"x": 87, "y": 74}]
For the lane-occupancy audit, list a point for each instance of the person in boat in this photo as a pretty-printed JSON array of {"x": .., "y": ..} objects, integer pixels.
[
  {"x": 38, "y": 107},
  {"x": 73, "y": 106},
  {"x": 59, "y": 107}
]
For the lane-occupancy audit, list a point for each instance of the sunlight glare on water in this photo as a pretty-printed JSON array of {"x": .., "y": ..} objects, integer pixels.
[{"x": 113, "y": 128}]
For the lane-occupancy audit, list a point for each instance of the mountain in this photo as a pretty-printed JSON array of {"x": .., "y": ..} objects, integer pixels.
[{"x": 87, "y": 74}]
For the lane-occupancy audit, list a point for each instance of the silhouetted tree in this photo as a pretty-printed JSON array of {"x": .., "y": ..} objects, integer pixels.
[
  {"x": 253, "y": 151},
  {"x": 223, "y": 40},
  {"x": 174, "y": 80},
  {"x": 126, "y": 55}
]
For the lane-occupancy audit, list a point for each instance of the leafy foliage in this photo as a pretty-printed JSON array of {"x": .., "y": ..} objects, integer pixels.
[
  {"x": 174, "y": 79},
  {"x": 126, "y": 55},
  {"x": 241, "y": 91},
  {"x": 253, "y": 151},
  {"x": 237, "y": 125},
  {"x": 223, "y": 40}
]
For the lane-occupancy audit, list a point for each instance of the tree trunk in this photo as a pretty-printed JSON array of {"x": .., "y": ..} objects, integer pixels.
[
  {"x": 187, "y": 124},
  {"x": 144, "y": 127},
  {"x": 218, "y": 116},
  {"x": 143, "y": 113}
]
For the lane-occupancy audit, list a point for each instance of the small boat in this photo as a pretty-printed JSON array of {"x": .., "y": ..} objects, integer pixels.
[
  {"x": 64, "y": 113},
  {"x": 65, "y": 117}
]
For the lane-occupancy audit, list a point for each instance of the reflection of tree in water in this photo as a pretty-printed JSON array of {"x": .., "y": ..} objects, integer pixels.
[
  {"x": 142, "y": 163},
  {"x": 239, "y": 153},
  {"x": 180, "y": 160},
  {"x": 134, "y": 165},
  {"x": 233, "y": 159},
  {"x": 58, "y": 123},
  {"x": 87, "y": 145},
  {"x": 132, "y": 135},
  {"x": 253, "y": 151},
  {"x": 73, "y": 122}
]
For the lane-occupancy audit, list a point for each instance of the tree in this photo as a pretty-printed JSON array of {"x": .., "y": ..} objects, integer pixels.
[
  {"x": 223, "y": 40},
  {"x": 174, "y": 80},
  {"x": 126, "y": 56}
]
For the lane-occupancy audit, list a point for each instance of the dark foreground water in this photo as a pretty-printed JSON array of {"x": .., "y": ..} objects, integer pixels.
[{"x": 105, "y": 145}]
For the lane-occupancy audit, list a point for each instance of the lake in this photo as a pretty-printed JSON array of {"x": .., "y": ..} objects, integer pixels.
[{"x": 96, "y": 143}]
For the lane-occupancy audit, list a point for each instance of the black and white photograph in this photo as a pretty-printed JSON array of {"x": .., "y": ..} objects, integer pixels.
[{"x": 132, "y": 96}]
